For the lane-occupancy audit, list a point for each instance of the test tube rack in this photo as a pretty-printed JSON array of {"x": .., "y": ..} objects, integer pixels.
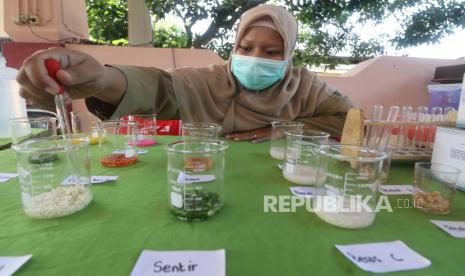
[{"x": 405, "y": 140}]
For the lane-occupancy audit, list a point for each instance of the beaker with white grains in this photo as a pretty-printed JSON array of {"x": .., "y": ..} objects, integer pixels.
[
  {"x": 348, "y": 196},
  {"x": 278, "y": 140},
  {"x": 301, "y": 162},
  {"x": 196, "y": 178},
  {"x": 54, "y": 174}
]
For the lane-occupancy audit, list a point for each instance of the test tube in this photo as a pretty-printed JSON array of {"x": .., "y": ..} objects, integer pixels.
[
  {"x": 373, "y": 131},
  {"x": 386, "y": 131},
  {"x": 449, "y": 114},
  {"x": 401, "y": 138},
  {"x": 436, "y": 116},
  {"x": 423, "y": 117}
]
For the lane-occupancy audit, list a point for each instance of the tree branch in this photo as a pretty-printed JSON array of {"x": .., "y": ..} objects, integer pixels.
[{"x": 221, "y": 21}]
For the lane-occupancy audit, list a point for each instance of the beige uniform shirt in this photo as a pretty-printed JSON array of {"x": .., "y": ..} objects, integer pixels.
[{"x": 150, "y": 90}]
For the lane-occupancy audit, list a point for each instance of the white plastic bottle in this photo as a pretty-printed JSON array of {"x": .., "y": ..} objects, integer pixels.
[{"x": 11, "y": 104}]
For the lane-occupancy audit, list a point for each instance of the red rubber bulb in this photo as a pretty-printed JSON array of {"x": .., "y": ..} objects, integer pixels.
[{"x": 53, "y": 66}]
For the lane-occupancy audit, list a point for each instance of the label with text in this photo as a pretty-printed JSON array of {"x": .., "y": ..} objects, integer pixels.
[
  {"x": 396, "y": 189},
  {"x": 384, "y": 256},
  {"x": 178, "y": 263},
  {"x": 454, "y": 228},
  {"x": 303, "y": 191}
]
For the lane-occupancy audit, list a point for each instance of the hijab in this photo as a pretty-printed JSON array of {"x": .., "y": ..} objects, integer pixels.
[{"x": 212, "y": 94}]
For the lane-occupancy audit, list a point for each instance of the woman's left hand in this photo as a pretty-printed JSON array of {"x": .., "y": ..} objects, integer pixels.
[{"x": 255, "y": 136}]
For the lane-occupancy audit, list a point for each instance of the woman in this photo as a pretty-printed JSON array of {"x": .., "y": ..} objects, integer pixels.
[{"x": 256, "y": 86}]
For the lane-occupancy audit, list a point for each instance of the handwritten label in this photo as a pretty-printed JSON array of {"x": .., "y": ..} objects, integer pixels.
[
  {"x": 454, "y": 228},
  {"x": 177, "y": 263},
  {"x": 188, "y": 179},
  {"x": 4, "y": 177},
  {"x": 384, "y": 256},
  {"x": 396, "y": 189},
  {"x": 8, "y": 265},
  {"x": 128, "y": 153},
  {"x": 303, "y": 191},
  {"x": 95, "y": 179}
]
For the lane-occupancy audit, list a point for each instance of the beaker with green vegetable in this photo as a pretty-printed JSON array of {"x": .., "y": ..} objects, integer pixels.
[{"x": 196, "y": 178}]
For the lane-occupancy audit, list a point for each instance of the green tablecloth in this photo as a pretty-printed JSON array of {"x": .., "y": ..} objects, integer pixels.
[{"x": 132, "y": 214}]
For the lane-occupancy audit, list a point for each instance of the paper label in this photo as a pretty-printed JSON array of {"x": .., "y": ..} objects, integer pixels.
[
  {"x": 179, "y": 263},
  {"x": 95, "y": 179},
  {"x": 128, "y": 153},
  {"x": 303, "y": 191},
  {"x": 396, "y": 189},
  {"x": 8, "y": 265},
  {"x": 384, "y": 256},
  {"x": 454, "y": 228},
  {"x": 4, "y": 177},
  {"x": 188, "y": 179}
]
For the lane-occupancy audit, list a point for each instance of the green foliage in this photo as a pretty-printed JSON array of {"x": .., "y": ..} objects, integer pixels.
[
  {"x": 326, "y": 27},
  {"x": 108, "y": 20},
  {"x": 168, "y": 35},
  {"x": 431, "y": 23}
]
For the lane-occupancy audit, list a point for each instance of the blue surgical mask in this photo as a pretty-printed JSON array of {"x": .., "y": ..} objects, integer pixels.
[{"x": 257, "y": 73}]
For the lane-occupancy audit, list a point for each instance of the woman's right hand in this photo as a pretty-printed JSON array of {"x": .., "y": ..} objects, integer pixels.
[{"x": 82, "y": 75}]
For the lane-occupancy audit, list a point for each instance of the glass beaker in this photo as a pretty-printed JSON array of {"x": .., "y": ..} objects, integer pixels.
[
  {"x": 196, "y": 178},
  {"x": 54, "y": 174},
  {"x": 386, "y": 167},
  {"x": 348, "y": 197},
  {"x": 301, "y": 162},
  {"x": 200, "y": 131},
  {"x": 80, "y": 130},
  {"x": 277, "y": 139},
  {"x": 434, "y": 187},
  {"x": 117, "y": 143},
  {"x": 147, "y": 129},
  {"x": 32, "y": 128}
]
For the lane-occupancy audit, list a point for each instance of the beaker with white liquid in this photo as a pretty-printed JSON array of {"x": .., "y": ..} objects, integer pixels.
[
  {"x": 301, "y": 162},
  {"x": 348, "y": 196},
  {"x": 278, "y": 140}
]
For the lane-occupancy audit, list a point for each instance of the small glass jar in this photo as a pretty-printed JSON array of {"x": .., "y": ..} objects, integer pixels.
[
  {"x": 117, "y": 143},
  {"x": 200, "y": 131},
  {"x": 278, "y": 140},
  {"x": 196, "y": 178},
  {"x": 434, "y": 187},
  {"x": 348, "y": 197},
  {"x": 54, "y": 174},
  {"x": 301, "y": 164}
]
